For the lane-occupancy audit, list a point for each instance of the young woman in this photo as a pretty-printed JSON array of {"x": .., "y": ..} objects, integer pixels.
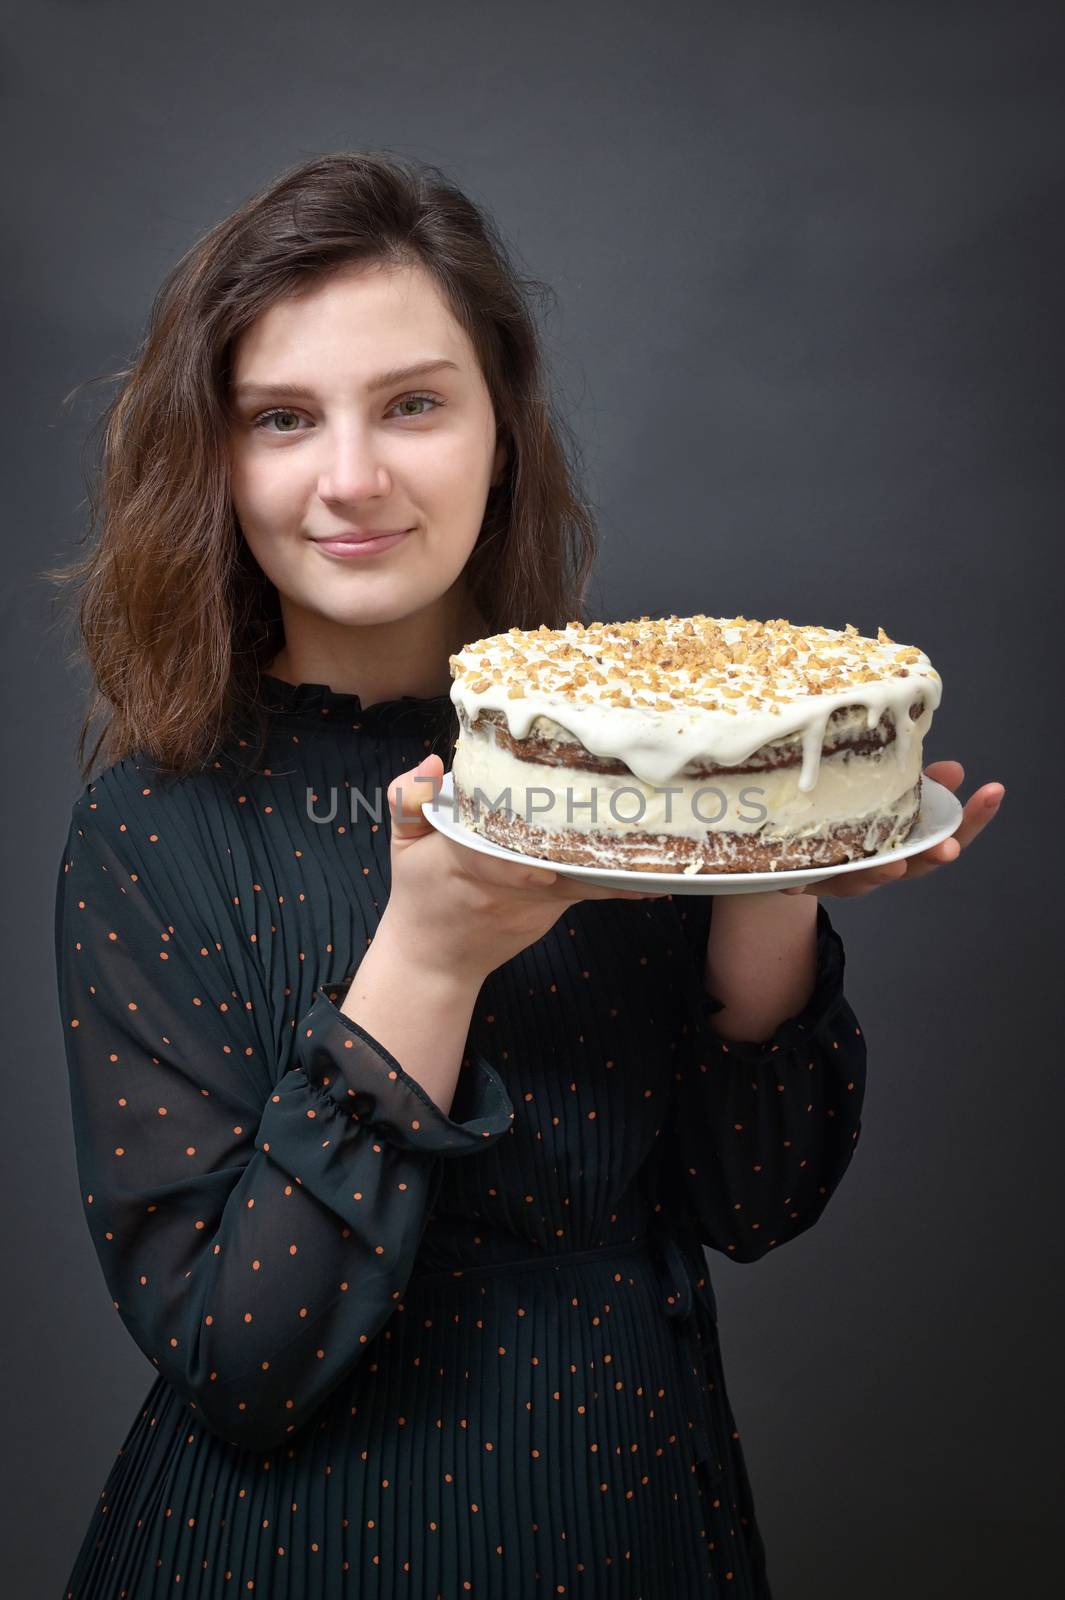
[{"x": 398, "y": 1159}]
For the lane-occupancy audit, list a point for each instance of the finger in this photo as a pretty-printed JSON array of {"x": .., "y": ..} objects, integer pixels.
[
  {"x": 408, "y": 791},
  {"x": 850, "y": 888},
  {"x": 849, "y": 884},
  {"x": 949, "y": 773},
  {"x": 977, "y": 813},
  {"x": 939, "y": 854},
  {"x": 574, "y": 889},
  {"x": 874, "y": 877},
  {"x": 498, "y": 870},
  {"x": 585, "y": 890},
  {"x": 503, "y": 874},
  {"x": 508, "y": 874},
  {"x": 538, "y": 877}
]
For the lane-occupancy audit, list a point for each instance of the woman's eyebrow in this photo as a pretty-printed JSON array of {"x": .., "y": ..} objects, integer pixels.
[{"x": 384, "y": 380}]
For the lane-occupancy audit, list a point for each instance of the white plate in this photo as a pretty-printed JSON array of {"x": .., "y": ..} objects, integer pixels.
[{"x": 940, "y": 816}]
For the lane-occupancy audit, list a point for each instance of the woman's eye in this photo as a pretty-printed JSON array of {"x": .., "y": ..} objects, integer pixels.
[
  {"x": 283, "y": 413},
  {"x": 413, "y": 399},
  {"x": 268, "y": 416}
]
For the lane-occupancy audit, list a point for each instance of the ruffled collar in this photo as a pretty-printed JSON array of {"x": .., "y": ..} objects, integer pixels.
[{"x": 317, "y": 702}]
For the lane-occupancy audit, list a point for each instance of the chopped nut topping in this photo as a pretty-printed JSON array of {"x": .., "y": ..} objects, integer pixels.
[{"x": 697, "y": 662}]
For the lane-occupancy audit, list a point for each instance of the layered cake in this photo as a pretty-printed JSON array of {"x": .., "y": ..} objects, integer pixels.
[{"x": 691, "y": 744}]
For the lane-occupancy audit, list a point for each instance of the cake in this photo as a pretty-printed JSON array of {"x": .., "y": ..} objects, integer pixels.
[{"x": 691, "y": 744}]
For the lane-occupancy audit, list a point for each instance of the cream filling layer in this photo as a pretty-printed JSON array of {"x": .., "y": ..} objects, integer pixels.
[{"x": 771, "y": 804}]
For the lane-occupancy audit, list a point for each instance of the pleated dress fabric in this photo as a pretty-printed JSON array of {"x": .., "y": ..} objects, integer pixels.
[{"x": 400, "y": 1353}]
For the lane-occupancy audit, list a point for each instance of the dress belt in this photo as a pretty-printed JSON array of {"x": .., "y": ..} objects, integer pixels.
[{"x": 679, "y": 1290}]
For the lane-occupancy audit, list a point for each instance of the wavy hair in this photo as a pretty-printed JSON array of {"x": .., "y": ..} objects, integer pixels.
[{"x": 174, "y": 617}]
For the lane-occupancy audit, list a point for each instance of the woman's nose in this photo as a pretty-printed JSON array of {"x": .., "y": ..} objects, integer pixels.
[{"x": 353, "y": 467}]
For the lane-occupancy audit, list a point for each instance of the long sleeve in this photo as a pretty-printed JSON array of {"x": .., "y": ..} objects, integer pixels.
[
  {"x": 760, "y": 1134},
  {"x": 255, "y": 1225}
]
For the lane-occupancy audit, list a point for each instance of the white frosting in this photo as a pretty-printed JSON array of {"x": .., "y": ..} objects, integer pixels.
[
  {"x": 693, "y": 700},
  {"x": 852, "y": 789}
]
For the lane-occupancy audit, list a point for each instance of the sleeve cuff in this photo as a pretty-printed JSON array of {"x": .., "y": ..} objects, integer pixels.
[
  {"x": 343, "y": 1060},
  {"x": 794, "y": 1033}
]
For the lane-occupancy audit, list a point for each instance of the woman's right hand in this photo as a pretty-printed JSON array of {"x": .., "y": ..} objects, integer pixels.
[{"x": 458, "y": 911}]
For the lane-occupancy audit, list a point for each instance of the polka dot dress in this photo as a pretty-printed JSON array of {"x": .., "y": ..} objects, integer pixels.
[{"x": 400, "y": 1353}]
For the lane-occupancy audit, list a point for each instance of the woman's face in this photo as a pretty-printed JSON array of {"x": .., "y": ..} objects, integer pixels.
[{"x": 320, "y": 446}]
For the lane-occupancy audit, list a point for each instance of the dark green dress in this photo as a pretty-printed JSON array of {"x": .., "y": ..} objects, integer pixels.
[{"x": 400, "y": 1353}]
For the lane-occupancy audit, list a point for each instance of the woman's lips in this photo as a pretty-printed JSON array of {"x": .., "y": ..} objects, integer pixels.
[{"x": 361, "y": 547}]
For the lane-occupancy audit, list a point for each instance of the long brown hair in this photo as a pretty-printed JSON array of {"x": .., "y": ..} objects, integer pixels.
[{"x": 174, "y": 616}]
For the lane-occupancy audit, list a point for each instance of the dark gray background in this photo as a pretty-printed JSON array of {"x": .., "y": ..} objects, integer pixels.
[{"x": 808, "y": 261}]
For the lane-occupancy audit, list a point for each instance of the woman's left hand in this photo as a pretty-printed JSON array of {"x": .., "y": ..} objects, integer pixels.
[{"x": 979, "y": 809}]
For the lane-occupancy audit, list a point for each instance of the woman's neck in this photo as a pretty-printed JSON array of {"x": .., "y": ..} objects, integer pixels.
[{"x": 382, "y": 661}]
